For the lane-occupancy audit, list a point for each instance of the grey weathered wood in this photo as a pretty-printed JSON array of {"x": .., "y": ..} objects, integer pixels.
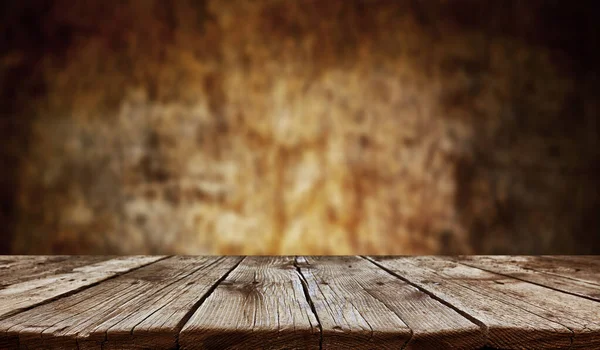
[
  {"x": 143, "y": 309},
  {"x": 582, "y": 268},
  {"x": 511, "y": 321},
  {"x": 361, "y": 306},
  {"x": 533, "y": 269},
  {"x": 261, "y": 305},
  {"x": 18, "y": 269},
  {"x": 19, "y": 296}
]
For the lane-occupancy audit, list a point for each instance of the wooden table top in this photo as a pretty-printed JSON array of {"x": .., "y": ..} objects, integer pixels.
[{"x": 349, "y": 302}]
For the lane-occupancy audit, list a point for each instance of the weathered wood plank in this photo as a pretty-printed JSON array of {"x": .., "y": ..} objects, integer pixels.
[
  {"x": 142, "y": 309},
  {"x": 511, "y": 321},
  {"x": 261, "y": 304},
  {"x": 277, "y": 302},
  {"x": 361, "y": 306},
  {"x": 586, "y": 258},
  {"x": 19, "y": 296},
  {"x": 18, "y": 269},
  {"x": 582, "y": 268},
  {"x": 349, "y": 315},
  {"x": 532, "y": 269},
  {"x": 582, "y": 316},
  {"x": 169, "y": 309}
]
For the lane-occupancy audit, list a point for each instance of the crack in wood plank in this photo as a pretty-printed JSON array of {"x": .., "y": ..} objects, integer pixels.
[
  {"x": 309, "y": 300},
  {"x": 245, "y": 310}
]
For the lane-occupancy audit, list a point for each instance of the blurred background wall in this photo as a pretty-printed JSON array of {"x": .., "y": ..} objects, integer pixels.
[{"x": 299, "y": 126}]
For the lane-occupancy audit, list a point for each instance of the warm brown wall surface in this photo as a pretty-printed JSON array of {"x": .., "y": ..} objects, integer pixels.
[{"x": 303, "y": 126}]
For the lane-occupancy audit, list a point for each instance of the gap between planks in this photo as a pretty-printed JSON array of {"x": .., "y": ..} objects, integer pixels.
[
  {"x": 197, "y": 305},
  {"x": 261, "y": 304},
  {"x": 71, "y": 334},
  {"x": 578, "y": 315},
  {"x": 362, "y": 306},
  {"x": 305, "y": 288},
  {"x": 304, "y": 283},
  {"x": 560, "y": 283},
  {"x": 69, "y": 292},
  {"x": 481, "y": 325}
]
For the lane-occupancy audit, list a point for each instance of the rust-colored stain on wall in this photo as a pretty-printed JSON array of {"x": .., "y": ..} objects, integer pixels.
[{"x": 299, "y": 127}]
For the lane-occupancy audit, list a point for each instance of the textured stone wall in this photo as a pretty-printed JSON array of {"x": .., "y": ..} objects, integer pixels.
[{"x": 321, "y": 127}]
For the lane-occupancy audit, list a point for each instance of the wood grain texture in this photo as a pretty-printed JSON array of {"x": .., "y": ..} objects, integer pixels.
[
  {"x": 168, "y": 309},
  {"x": 18, "y": 269},
  {"x": 261, "y": 304},
  {"x": 593, "y": 259},
  {"x": 19, "y": 296},
  {"x": 581, "y": 268},
  {"x": 511, "y": 323},
  {"x": 142, "y": 309},
  {"x": 361, "y": 306},
  {"x": 581, "y": 316},
  {"x": 214, "y": 302},
  {"x": 534, "y": 269}
]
